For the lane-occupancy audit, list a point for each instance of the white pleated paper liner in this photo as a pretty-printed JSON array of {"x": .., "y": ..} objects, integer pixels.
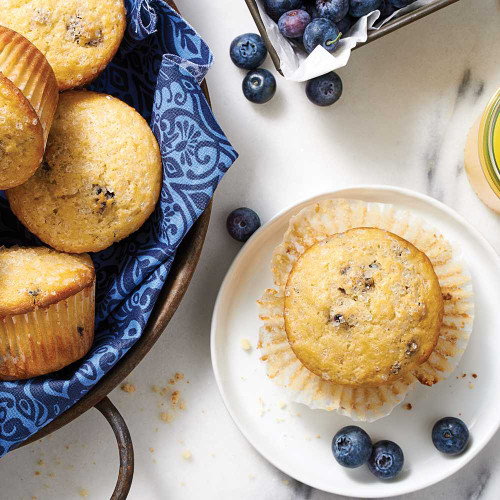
[{"x": 315, "y": 223}]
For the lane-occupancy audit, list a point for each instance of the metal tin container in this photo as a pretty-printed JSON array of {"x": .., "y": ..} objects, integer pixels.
[{"x": 392, "y": 25}]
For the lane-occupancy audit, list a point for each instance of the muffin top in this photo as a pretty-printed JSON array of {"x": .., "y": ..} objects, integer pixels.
[
  {"x": 21, "y": 136},
  {"x": 100, "y": 178},
  {"x": 38, "y": 277},
  {"x": 78, "y": 38},
  {"x": 363, "y": 307}
]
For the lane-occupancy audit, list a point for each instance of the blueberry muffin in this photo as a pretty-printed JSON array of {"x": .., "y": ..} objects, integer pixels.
[
  {"x": 46, "y": 310},
  {"x": 100, "y": 178},
  {"x": 368, "y": 301},
  {"x": 363, "y": 307},
  {"x": 28, "y": 99},
  {"x": 78, "y": 38}
]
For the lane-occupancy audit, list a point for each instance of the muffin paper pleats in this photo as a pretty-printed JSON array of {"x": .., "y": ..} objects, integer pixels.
[
  {"x": 43, "y": 340},
  {"x": 23, "y": 64},
  {"x": 157, "y": 70},
  {"x": 315, "y": 223}
]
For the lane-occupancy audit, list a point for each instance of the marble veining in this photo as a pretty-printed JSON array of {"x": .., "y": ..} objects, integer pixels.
[{"x": 475, "y": 491}]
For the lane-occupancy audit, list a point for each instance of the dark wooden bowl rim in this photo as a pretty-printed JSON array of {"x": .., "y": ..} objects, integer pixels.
[{"x": 170, "y": 297}]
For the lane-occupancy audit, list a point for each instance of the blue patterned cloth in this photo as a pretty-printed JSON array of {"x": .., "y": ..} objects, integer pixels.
[{"x": 157, "y": 69}]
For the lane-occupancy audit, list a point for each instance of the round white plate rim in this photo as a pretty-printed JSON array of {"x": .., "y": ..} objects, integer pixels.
[{"x": 397, "y": 489}]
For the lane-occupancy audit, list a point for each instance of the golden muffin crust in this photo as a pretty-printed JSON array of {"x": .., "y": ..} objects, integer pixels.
[
  {"x": 78, "y": 38},
  {"x": 21, "y": 136},
  {"x": 28, "y": 69},
  {"x": 32, "y": 278},
  {"x": 363, "y": 307},
  {"x": 100, "y": 178}
]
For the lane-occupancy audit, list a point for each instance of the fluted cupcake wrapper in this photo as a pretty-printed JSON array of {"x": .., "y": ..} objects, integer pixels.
[
  {"x": 47, "y": 339},
  {"x": 28, "y": 69},
  {"x": 323, "y": 219}
]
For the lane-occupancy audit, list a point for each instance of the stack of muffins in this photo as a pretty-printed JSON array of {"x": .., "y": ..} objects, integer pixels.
[{"x": 81, "y": 171}]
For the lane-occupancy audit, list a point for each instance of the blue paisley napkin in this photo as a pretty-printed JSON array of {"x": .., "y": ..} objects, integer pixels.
[{"x": 157, "y": 70}]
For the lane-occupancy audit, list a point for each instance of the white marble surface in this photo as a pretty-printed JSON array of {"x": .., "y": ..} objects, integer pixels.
[{"x": 408, "y": 102}]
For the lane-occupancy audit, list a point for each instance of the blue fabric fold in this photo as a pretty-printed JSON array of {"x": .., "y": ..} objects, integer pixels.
[{"x": 157, "y": 70}]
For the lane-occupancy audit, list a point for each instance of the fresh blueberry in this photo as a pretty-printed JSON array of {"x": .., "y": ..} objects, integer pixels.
[
  {"x": 386, "y": 9},
  {"x": 386, "y": 460},
  {"x": 351, "y": 446},
  {"x": 450, "y": 435},
  {"x": 324, "y": 90},
  {"x": 335, "y": 10},
  {"x": 293, "y": 23},
  {"x": 248, "y": 51},
  {"x": 399, "y": 4},
  {"x": 259, "y": 86},
  {"x": 242, "y": 223},
  {"x": 359, "y": 8},
  {"x": 276, "y": 8},
  {"x": 344, "y": 25},
  {"x": 321, "y": 32}
]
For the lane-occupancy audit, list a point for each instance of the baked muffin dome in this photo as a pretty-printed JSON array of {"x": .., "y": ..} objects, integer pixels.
[
  {"x": 21, "y": 136},
  {"x": 28, "y": 100},
  {"x": 78, "y": 38},
  {"x": 46, "y": 310},
  {"x": 363, "y": 307},
  {"x": 100, "y": 178}
]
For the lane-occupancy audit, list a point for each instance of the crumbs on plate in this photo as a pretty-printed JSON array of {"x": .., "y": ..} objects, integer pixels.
[{"x": 245, "y": 344}]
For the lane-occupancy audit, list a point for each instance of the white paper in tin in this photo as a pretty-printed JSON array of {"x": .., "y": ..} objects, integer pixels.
[{"x": 297, "y": 66}]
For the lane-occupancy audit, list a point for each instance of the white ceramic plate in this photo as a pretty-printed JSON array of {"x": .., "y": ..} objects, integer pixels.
[{"x": 296, "y": 439}]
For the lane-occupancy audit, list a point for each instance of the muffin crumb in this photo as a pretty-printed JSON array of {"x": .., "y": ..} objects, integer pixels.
[
  {"x": 174, "y": 398},
  {"x": 130, "y": 388},
  {"x": 407, "y": 406},
  {"x": 167, "y": 417},
  {"x": 474, "y": 375},
  {"x": 179, "y": 376},
  {"x": 84, "y": 493},
  {"x": 154, "y": 388},
  {"x": 245, "y": 344},
  {"x": 187, "y": 455}
]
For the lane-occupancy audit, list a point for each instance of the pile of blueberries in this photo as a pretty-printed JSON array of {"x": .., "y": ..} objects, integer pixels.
[
  {"x": 307, "y": 23},
  {"x": 352, "y": 447},
  {"x": 310, "y": 23}
]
